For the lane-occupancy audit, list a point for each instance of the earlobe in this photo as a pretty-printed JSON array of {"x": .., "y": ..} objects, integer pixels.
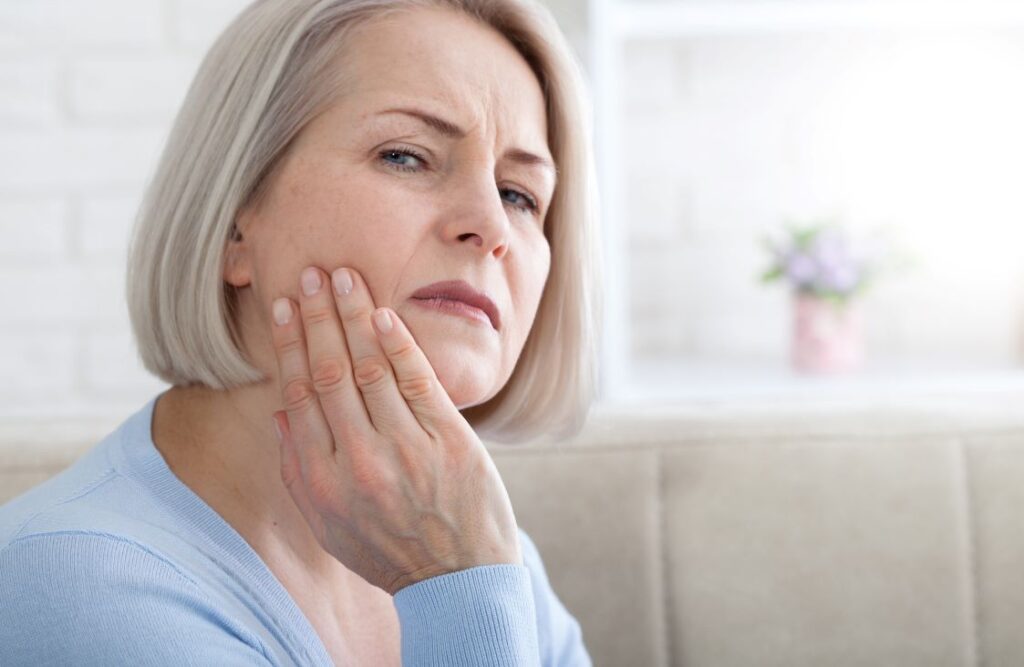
[{"x": 237, "y": 267}]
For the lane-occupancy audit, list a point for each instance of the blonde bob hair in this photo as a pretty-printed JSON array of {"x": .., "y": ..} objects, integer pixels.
[{"x": 273, "y": 70}]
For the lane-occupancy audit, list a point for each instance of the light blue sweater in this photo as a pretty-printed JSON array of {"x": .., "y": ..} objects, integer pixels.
[{"x": 116, "y": 561}]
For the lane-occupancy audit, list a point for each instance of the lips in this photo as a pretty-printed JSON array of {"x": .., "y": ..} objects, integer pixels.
[{"x": 460, "y": 290}]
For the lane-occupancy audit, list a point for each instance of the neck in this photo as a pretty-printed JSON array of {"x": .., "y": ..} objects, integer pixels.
[{"x": 222, "y": 445}]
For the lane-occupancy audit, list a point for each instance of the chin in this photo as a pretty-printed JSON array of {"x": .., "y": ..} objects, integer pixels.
[
  {"x": 466, "y": 383},
  {"x": 467, "y": 369}
]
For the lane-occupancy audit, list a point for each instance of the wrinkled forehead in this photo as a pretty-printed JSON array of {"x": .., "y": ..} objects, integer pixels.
[{"x": 453, "y": 63}]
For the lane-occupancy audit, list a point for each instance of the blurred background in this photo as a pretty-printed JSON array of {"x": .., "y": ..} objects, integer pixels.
[{"x": 719, "y": 125}]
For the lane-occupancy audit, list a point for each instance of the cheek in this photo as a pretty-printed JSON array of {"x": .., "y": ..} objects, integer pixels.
[
  {"x": 378, "y": 210},
  {"x": 531, "y": 280},
  {"x": 340, "y": 217}
]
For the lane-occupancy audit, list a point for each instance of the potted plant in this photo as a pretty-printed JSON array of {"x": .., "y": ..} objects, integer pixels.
[{"x": 826, "y": 271}]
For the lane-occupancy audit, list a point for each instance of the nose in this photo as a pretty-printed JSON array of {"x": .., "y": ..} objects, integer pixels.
[{"x": 477, "y": 214}]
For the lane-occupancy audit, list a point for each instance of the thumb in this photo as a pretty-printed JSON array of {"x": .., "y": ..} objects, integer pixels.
[{"x": 291, "y": 475}]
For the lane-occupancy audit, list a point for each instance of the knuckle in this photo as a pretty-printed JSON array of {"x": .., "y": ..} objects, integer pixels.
[
  {"x": 410, "y": 458},
  {"x": 322, "y": 487},
  {"x": 329, "y": 374},
  {"x": 416, "y": 388},
  {"x": 367, "y": 473},
  {"x": 298, "y": 394},
  {"x": 462, "y": 458},
  {"x": 407, "y": 351},
  {"x": 355, "y": 316},
  {"x": 391, "y": 426},
  {"x": 370, "y": 373},
  {"x": 317, "y": 316},
  {"x": 464, "y": 454},
  {"x": 370, "y": 472},
  {"x": 292, "y": 344}
]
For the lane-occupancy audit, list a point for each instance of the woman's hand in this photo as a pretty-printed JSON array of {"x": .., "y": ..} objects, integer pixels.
[{"x": 389, "y": 475}]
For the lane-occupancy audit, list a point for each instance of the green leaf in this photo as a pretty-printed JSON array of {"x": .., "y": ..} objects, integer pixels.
[
  {"x": 804, "y": 237},
  {"x": 771, "y": 274}
]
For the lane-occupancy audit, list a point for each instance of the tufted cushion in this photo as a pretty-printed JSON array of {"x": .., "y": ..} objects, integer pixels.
[{"x": 729, "y": 535}]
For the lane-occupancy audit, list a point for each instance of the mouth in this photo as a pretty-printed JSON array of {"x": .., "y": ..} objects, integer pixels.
[
  {"x": 457, "y": 297},
  {"x": 457, "y": 308}
]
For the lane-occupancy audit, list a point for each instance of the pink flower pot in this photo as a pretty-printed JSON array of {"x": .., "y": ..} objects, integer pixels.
[{"x": 827, "y": 337}]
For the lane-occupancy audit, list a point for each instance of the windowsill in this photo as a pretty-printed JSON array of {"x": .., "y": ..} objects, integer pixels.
[
  {"x": 715, "y": 403},
  {"x": 717, "y": 381}
]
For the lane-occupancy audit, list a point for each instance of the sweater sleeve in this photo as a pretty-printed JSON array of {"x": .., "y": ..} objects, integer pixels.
[
  {"x": 97, "y": 599},
  {"x": 560, "y": 635},
  {"x": 495, "y": 615},
  {"x": 483, "y": 616}
]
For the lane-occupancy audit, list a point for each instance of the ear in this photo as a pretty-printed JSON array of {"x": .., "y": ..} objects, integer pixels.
[{"x": 238, "y": 255}]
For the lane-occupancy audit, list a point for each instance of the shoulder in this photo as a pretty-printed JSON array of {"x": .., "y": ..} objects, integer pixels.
[
  {"x": 93, "y": 496},
  {"x": 68, "y": 486},
  {"x": 84, "y": 597},
  {"x": 109, "y": 488},
  {"x": 84, "y": 511}
]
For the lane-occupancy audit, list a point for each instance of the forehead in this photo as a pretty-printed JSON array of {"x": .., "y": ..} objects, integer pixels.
[{"x": 455, "y": 62}]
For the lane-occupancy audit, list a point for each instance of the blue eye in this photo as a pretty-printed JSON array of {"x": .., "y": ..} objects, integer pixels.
[
  {"x": 397, "y": 158},
  {"x": 401, "y": 153},
  {"x": 531, "y": 203}
]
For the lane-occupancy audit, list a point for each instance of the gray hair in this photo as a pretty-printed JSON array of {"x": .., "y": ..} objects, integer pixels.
[{"x": 262, "y": 81}]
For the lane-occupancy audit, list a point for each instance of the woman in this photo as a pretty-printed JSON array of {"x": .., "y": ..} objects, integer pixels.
[{"x": 368, "y": 241}]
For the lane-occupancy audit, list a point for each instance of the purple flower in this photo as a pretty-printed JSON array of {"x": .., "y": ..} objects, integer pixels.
[
  {"x": 830, "y": 248},
  {"x": 841, "y": 278},
  {"x": 801, "y": 269},
  {"x": 824, "y": 261},
  {"x": 836, "y": 268}
]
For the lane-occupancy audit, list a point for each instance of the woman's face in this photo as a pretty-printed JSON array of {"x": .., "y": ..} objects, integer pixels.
[{"x": 407, "y": 203}]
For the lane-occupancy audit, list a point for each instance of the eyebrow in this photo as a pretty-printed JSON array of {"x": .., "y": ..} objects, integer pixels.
[{"x": 452, "y": 130}]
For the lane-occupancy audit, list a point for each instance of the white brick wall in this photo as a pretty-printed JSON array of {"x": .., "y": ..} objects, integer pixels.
[
  {"x": 720, "y": 146},
  {"x": 88, "y": 89},
  {"x": 72, "y": 27},
  {"x": 105, "y": 89}
]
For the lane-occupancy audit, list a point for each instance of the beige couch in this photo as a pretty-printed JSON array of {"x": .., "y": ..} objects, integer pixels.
[{"x": 731, "y": 535}]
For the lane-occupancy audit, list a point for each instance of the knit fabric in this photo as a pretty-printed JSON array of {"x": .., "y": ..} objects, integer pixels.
[{"x": 116, "y": 561}]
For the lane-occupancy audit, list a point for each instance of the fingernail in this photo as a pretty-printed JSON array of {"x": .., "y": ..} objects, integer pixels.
[
  {"x": 342, "y": 280},
  {"x": 282, "y": 311},
  {"x": 383, "y": 320},
  {"x": 277, "y": 429},
  {"x": 310, "y": 281}
]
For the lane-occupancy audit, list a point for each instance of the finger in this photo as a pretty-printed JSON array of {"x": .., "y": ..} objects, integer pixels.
[
  {"x": 329, "y": 362},
  {"x": 312, "y": 439},
  {"x": 416, "y": 379},
  {"x": 292, "y": 477},
  {"x": 370, "y": 366}
]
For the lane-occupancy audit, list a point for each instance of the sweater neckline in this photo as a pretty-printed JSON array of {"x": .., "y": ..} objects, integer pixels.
[{"x": 145, "y": 463}]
